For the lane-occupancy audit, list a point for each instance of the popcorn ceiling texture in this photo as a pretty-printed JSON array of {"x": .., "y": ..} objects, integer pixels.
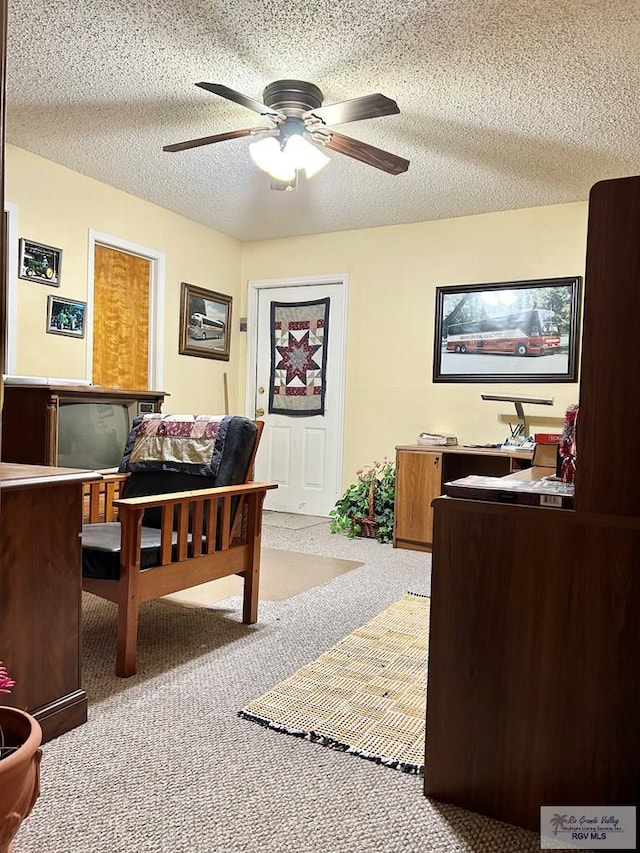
[{"x": 503, "y": 105}]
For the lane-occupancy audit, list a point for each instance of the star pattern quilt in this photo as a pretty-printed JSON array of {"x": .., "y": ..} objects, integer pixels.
[{"x": 298, "y": 357}]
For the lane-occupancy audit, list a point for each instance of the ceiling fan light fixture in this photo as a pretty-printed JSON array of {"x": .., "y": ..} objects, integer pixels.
[
  {"x": 302, "y": 154},
  {"x": 268, "y": 156},
  {"x": 302, "y": 130}
]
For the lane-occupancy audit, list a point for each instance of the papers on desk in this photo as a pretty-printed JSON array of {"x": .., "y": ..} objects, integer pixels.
[
  {"x": 439, "y": 439},
  {"x": 532, "y": 492}
]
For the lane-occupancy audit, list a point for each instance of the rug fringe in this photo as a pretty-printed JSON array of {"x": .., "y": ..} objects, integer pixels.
[{"x": 314, "y": 737}]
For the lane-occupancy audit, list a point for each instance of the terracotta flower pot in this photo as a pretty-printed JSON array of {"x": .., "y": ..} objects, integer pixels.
[{"x": 19, "y": 771}]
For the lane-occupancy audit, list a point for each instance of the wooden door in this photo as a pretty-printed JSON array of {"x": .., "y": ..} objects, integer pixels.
[
  {"x": 121, "y": 285},
  {"x": 418, "y": 482}
]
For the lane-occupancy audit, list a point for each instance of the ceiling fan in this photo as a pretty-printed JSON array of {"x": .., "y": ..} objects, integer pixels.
[{"x": 299, "y": 130}]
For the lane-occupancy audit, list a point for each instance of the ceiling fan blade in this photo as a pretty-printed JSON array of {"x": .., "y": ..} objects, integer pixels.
[
  {"x": 239, "y": 98},
  {"x": 369, "y": 106},
  {"x": 218, "y": 137},
  {"x": 366, "y": 153}
]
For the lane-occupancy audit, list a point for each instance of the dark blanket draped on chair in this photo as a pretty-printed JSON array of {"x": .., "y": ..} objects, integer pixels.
[{"x": 187, "y": 513}]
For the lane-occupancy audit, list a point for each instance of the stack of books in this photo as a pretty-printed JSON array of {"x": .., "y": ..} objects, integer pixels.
[
  {"x": 533, "y": 492},
  {"x": 440, "y": 439}
]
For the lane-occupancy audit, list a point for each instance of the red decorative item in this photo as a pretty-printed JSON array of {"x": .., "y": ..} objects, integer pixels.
[{"x": 568, "y": 450}]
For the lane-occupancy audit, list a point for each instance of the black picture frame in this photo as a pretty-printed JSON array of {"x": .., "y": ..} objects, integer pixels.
[
  {"x": 486, "y": 332},
  {"x": 39, "y": 262},
  {"x": 66, "y": 316},
  {"x": 205, "y": 322}
]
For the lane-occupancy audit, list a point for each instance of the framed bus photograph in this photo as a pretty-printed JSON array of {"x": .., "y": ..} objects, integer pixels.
[
  {"x": 37, "y": 262},
  {"x": 515, "y": 331},
  {"x": 66, "y": 316},
  {"x": 205, "y": 322}
]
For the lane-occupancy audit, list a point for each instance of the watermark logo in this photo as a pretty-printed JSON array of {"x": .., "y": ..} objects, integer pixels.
[{"x": 588, "y": 827}]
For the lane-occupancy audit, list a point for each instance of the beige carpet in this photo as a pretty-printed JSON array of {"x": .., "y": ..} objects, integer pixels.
[
  {"x": 164, "y": 763},
  {"x": 291, "y": 520},
  {"x": 366, "y": 695},
  {"x": 283, "y": 574}
]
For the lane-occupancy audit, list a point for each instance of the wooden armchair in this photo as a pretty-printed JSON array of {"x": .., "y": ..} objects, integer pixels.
[{"x": 171, "y": 533}]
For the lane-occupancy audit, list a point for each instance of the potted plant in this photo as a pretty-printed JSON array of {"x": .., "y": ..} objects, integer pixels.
[
  {"x": 367, "y": 506},
  {"x": 20, "y": 753}
]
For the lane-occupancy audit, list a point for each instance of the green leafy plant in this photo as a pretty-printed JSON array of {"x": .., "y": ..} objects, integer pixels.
[{"x": 351, "y": 514}]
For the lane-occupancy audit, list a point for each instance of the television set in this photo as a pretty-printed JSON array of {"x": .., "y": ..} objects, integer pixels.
[
  {"x": 92, "y": 434},
  {"x": 70, "y": 426}
]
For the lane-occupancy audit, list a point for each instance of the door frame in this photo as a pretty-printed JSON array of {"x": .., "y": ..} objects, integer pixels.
[
  {"x": 253, "y": 290},
  {"x": 156, "y": 301}
]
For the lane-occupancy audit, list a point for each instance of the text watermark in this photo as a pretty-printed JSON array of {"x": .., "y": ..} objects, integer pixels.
[{"x": 588, "y": 827}]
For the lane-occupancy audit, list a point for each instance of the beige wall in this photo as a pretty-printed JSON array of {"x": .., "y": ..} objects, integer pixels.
[
  {"x": 58, "y": 207},
  {"x": 393, "y": 273}
]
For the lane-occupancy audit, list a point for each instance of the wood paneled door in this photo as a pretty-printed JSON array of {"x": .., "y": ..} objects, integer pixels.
[{"x": 121, "y": 291}]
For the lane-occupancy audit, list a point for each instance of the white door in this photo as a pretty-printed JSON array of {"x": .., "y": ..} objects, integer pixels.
[{"x": 300, "y": 452}]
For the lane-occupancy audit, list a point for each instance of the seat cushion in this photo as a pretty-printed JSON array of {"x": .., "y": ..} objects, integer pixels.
[{"x": 101, "y": 550}]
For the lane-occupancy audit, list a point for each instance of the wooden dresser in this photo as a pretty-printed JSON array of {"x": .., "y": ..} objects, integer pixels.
[
  {"x": 533, "y": 682},
  {"x": 422, "y": 471}
]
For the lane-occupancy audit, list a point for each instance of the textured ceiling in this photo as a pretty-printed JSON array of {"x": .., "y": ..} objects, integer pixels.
[{"x": 504, "y": 103}]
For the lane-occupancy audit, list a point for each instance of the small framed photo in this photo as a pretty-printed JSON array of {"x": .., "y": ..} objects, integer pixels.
[
  {"x": 205, "y": 322},
  {"x": 66, "y": 316},
  {"x": 513, "y": 331},
  {"x": 38, "y": 262}
]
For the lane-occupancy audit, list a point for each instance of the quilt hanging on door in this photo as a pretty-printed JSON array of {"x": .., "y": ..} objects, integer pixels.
[{"x": 298, "y": 357}]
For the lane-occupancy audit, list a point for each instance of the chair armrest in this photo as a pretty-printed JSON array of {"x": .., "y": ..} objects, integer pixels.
[
  {"x": 206, "y": 510},
  {"x": 172, "y": 498}
]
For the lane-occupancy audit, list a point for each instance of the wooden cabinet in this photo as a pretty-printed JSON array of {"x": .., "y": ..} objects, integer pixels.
[
  {"x": 533, "y": 678},
  {"x": 534, "y": 638},
  {"x": 422, "y": 471},
  {"x": 40, "y": 590},
  {"x": 418, "y": 482}
]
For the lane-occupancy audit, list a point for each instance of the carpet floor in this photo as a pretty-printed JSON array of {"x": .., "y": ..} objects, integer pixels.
[
  {"x": 291, "y": 520},
  {"x": 166, "y": 765},
  {"x": 283, "y": 574}
]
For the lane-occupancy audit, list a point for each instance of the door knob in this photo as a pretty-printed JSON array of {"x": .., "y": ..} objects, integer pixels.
[{"x": 259, "y": 413}]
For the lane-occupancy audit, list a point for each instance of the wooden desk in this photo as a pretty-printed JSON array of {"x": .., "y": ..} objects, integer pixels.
[
  {"x": 40, "y": 592},
  {"x": 422, "y": 470}
]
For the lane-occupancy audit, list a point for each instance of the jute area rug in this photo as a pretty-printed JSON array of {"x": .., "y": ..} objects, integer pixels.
[{"x": 366, "y": 695}]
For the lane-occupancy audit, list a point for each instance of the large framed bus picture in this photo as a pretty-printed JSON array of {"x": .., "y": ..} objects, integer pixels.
[
  {"x": 516, "y": 331},
  {"x": 205, "y": 322}
]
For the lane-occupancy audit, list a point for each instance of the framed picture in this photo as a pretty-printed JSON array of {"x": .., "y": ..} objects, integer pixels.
[
  {"x": 38, "y": 262},
  {"x": 66, "y": 316},
  {"x": 205, "y": 322},
  {"x": 515, "y": 331}
]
